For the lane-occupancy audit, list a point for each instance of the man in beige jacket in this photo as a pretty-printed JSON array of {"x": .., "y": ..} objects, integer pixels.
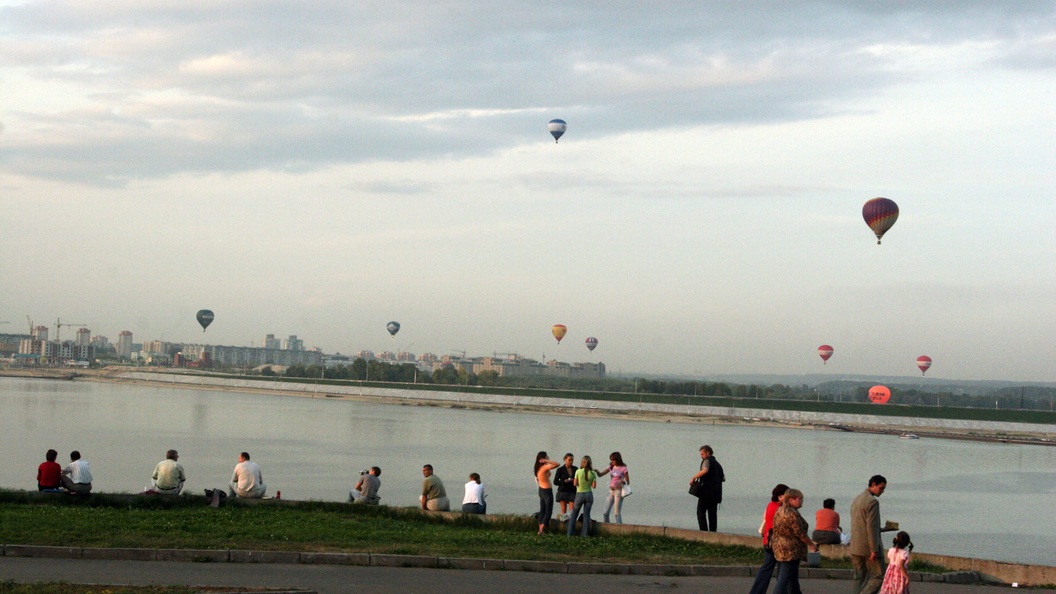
[{"x": 867, "y": 552}]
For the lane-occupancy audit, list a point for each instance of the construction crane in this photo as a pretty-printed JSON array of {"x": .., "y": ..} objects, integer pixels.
[{"x": 58, "y": 328}]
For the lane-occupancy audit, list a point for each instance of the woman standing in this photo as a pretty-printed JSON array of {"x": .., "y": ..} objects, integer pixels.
[
  {"x": 619, "y": 478},
  {"x": 566, "y": 489},
  {"x": 585, "y": 480},
  {"x": 543, "y": 466},
  {"x": 762, "y": 578},
  {"x": 790, "y": 541},
  {"x": 473, "y": 502}
]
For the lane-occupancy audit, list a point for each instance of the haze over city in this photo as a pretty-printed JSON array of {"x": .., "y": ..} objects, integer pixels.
[{"x": 321, "y": 169}]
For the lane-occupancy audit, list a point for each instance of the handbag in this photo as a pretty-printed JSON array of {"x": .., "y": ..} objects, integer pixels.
[
  {"x": 626, "y": 490},
  {"x": 696, "y": 488}
]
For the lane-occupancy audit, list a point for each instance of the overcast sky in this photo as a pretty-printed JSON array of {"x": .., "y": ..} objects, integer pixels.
[{"x": 322, "y": 168}]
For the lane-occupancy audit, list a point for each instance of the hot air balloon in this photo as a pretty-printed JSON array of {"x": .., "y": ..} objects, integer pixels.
[
  {"x": 880, "y": 214},
  {"x": 879, "y": 394},
  {"x": 923, "y": 362},
  {"x": 205, "y": 317},
  {"x": 824, "y": 351},
  {"x": 393, "y": 327},
  {"x": 559, "y": 331},
  {"x": 592, "y": 343},
  {"x": 557, "y": 128}
]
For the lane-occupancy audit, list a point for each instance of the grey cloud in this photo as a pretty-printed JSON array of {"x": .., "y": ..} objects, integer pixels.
[{"x": 273, "y": 85}]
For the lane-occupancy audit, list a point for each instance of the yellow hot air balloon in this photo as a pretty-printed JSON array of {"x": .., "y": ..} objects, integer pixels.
[{"x": 559, "y": 331}]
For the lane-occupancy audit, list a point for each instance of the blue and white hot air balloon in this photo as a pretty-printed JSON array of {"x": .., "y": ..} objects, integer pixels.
[
  {"x": 557, "y": 128},
  {"x": 393, "y": 327}
]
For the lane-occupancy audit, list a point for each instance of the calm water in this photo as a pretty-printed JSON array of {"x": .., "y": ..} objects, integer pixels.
[{"x": 960, "y": 498}]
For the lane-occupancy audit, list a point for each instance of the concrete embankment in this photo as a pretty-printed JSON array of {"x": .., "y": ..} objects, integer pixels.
[{"x": 477, "y": 396}]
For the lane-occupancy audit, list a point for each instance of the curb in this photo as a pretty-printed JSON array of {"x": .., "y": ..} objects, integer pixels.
[{"x": 428, "y": 561}]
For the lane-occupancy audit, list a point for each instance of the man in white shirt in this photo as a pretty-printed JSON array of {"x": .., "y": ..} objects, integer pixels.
[
  {"x": 77, "y": 476},
  {"x": 168, "y": 475},
  {"x": 247, "y": 481}
]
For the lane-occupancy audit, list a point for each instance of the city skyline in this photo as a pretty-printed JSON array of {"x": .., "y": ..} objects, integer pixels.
[{"x": 323, "y": 170}]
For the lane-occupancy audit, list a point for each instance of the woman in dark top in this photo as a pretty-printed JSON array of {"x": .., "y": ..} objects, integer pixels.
[{"x": 566, "y": 490}]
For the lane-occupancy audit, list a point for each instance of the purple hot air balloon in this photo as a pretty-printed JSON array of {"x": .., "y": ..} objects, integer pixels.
[{"x": 880, "y": 214}]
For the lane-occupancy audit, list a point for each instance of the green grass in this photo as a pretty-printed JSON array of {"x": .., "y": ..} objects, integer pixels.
[{"x": 106, "y": 521}]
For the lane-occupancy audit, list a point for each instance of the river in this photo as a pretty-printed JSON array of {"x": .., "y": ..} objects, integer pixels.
[{"x": 971, "y": 499}]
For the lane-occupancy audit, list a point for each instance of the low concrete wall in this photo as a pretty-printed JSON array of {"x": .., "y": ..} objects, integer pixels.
[{"x": 479, "y": 396}]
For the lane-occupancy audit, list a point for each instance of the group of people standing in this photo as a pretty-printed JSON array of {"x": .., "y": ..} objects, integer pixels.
[
  {"x": 786, "y": 542},
  {"x": 575, "y": 489}
]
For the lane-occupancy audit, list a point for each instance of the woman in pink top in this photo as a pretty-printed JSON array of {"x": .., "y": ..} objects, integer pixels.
[
  {"x": 620, "y": 477},
  {"x": 543, "y": 466}
]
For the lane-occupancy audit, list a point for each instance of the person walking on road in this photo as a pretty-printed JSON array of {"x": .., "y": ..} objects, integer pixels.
[
  {"x": 762, "y": 577},
  {"x": 711, "y": 477},
  {"x": 790, "y": 542},
  {"x": 867, "y": 552}
]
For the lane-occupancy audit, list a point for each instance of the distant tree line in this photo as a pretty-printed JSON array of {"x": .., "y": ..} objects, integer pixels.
[{"x": 1039, "y": 398}]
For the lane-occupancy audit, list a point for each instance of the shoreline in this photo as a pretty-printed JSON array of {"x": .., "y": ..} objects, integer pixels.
[{"x": 590, "y": 408}]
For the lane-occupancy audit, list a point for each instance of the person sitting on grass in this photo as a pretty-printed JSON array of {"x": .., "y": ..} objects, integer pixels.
[
  {"x": 247, "y": 481},
  {"x": 77, "y": 476},
  {"x": 366, "y": 489},
  {"x": 168, "y": 475},
  {"x": 49, "y": 473}
]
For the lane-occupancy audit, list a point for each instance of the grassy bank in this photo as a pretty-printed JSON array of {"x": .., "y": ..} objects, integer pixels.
[{"x": 186, "y": 522}]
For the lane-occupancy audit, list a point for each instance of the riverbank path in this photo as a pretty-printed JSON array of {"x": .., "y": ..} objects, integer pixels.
[{"x": 330, "y": 579}]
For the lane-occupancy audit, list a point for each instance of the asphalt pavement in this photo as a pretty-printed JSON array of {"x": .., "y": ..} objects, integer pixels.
[{"x": 337, "y": 579}]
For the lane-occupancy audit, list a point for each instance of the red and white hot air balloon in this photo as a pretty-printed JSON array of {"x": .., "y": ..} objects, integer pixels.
[
  {"x": 825, "y": 351},
  {"x": 592, "y": 343},
  {"x": 923, "y": 362}
]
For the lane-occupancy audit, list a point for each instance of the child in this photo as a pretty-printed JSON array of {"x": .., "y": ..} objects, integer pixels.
[{"x": 896, "y": 580}]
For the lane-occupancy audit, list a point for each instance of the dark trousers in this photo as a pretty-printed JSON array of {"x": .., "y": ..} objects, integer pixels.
[
  {"x": 762, "y": 577},
  {"x": 546, "y": 505},
  {"x": 473, "y": 508},
  {"x": 708, "y": 514},
  {"x": 787, "y": 578}
]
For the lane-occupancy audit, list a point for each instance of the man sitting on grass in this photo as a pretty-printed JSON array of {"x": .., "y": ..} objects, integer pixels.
[{"x": 247, "y": 481}]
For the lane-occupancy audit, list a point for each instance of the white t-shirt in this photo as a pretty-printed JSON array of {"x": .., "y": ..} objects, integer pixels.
[{"x": 474, "y": 493}]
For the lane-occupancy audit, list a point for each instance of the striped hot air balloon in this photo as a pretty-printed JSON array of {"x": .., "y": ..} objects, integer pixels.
[
  {"x": 880, "y": 214},
  {"x": 825, "y": 351},
  {"x": 557, "y": 128},
  {"x": 923, "y": 362},
  {"x": 592, "y": 343}
]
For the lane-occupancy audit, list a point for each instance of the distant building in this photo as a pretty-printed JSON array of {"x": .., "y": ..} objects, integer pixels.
[
  {"x": 124, "y": 344},
  {"x": 101, "y": 343},
  {"x": 336, "y": 360},
  {"x": 270, "y": 342},
  {"x": 365, "y": 355},
  {"x": 404, "y": 356},
  {"x": 518, "y": 366},
  {"x": 84, "y": 337},
  {"x": 292, "y": 343},
  {"x": 235, "y": 356},
  {"x": 40, "y": 333},
  {"x": 428, "y": 358},
  {"x": 156, "y": 347},
  {"x": 386, "y": 356}
]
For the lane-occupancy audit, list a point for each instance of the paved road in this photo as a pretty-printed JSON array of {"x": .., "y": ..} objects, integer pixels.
[{"x": 333, "y": 579}]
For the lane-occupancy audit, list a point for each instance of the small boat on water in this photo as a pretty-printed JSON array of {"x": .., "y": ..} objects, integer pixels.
[{"x": 909, "y": 436}]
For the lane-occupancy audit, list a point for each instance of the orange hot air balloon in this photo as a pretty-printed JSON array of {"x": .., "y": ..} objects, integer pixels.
[
  {"x": 559, "y": 331},
  {"x": 825, "y": 351},
  {"x": 924, "y": 363},
  {"x": 879, "y": 394}
]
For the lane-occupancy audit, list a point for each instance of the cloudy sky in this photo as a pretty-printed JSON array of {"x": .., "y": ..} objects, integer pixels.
[{"x": 322, "y": 168}]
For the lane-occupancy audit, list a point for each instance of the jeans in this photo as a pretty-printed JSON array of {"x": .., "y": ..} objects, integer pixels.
[
  {"x": 546, "y": 506},
  {"x": 788, "y": 577},
  {"x": 584, "y": 501},
  {"x": 615, "y": 499},
  {"x": 472, "y": 508},
  {"x": 708, "y": 515},
  {"x": 765, "y": 573}
]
